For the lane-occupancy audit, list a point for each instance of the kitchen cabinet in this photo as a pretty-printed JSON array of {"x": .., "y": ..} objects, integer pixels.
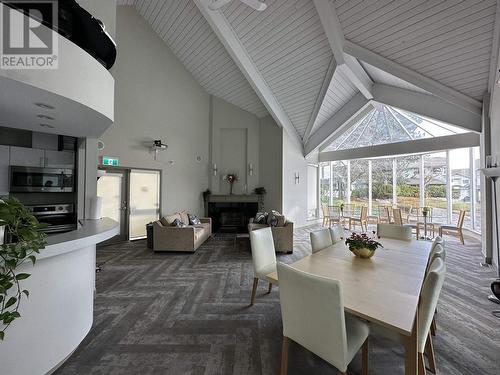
[
  {"x": 27, "y": 157},
  {"x": 59, "y": 159},
  {"x": 33, "y": 157},
  {"x": 4, "y": 170}
]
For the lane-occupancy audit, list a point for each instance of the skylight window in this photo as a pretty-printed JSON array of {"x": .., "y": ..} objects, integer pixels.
[{"x": 385, "y": 124}]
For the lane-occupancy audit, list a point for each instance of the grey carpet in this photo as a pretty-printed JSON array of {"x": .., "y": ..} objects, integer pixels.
[{"x": 188, "y": 314}]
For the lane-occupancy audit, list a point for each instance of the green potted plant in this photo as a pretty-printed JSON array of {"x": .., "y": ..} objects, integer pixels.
[
  {"x": 23, "y": 240},
  {"x": 362, "y": 246}
]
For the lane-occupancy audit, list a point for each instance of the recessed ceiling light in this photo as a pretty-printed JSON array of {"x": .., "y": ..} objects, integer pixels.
[
  {"x": 46, "y": 126},
  {"x": 43, "y": 105},
  {"x": 45, "y": 117}
]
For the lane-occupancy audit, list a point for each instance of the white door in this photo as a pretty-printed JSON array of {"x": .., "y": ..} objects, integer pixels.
[
  {"x": 112, "y": 187},
  {"x": 144, "y": 201}
]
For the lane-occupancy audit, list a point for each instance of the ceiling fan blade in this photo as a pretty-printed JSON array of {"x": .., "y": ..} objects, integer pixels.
[
  {"x": 255, "y": 4},
  {"x": 217, "y": 4}
]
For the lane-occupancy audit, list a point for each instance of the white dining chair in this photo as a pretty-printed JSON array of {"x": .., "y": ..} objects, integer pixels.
[
  {"x": 396, "y": 232},
  {"x": 438, "y": 240},
  {"x": 320, "y": 239},
  {"x": 429, "y": 297},
  {"x": 263, "y": 258},
  {"x": 437, "y": 252},
  {"x": 312, "y": 310},
  {"x": 337, "y": 233}
]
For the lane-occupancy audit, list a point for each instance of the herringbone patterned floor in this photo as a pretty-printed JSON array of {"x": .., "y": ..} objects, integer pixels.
[{"x": 188, "y": 314}]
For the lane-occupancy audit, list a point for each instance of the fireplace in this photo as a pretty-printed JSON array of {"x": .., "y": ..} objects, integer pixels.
[{"x": 231, "y": 213}]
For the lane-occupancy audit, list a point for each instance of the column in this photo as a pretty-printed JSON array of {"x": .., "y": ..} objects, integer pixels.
[
  {"x": 331, "y": 183},
  {"x": 394, "y": 182},
  {"x": 348, "y": 187},
  {"x": 473, "y": 187},
  {"x": 449, "y": 196},
  {"x": 370, "y": 183},
  {"x": 422, "y": 181}
]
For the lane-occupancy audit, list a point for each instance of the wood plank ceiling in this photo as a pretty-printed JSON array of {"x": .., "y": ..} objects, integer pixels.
[{"x": 448, "y": 41}]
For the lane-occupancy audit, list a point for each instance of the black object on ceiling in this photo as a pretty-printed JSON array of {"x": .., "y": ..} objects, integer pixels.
[{"x": 75, "y": 24}]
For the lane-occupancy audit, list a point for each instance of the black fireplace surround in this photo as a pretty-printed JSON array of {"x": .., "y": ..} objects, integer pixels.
[{"x": 231, "y": 216}]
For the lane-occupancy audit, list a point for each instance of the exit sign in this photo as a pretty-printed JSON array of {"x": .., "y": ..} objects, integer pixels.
[{"x": 106, "y": 160}]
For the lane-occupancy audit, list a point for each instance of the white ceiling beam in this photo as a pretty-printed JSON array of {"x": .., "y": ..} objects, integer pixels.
[
  {"x": 427, "y": 105},
  {"x": 415, "y": 146},
  {"x": 227, "y": 36},
  {"x": 417, "y": 79},
  {"x": 356, "y": 108},
  {"x": 320, "y": 98},
  {"x": 348, "y": 64}
]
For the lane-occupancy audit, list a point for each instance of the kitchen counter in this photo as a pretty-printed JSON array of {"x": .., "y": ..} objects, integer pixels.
[{"x": 59, "y": 312}]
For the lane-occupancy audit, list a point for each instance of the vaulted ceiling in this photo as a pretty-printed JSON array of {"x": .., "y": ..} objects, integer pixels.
[{"x": 315, "y": 65}]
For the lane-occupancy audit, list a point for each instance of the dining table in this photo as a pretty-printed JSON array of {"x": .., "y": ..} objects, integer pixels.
[{"x": 383, "y": 290}]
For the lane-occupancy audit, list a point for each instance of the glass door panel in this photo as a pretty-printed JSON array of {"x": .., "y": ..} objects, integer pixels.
[
  {"x": 381, "y": 184},
  {"x": 312, "y": 192},
  {"x": 408, "y": 186},
  {"x": 144, "y": 201},
  {"x": 112, "y": 188},
  {"x": 461, "y": 193},
  {"x": 435, "y": 182}
]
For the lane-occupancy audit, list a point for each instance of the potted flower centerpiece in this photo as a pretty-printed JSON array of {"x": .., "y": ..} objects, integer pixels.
[
  {"x": 231, "y": 178},
  {"x": 362, "y": 246}
]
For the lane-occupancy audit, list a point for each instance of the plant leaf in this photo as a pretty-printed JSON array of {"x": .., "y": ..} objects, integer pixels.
[
  {"x": 10, "y": 302},
  {"x": 27, "y": 293},
  {"x": 2, "y": 335},
  {"x": 22, "y": 276}
]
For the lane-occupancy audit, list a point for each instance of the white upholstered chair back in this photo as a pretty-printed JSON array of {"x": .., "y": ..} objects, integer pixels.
[
  {"x": 263, "y": 253},
  {"x": 438, "y": 240},
  {"x": 320, "y": 239},
  {"x": 396, "y": 232},
  {"x": 429, "y": 297},
  {"x": 437, "y": 252},
  {"x": 337, "y": 233},
  {"x": 312, "y": 310}
]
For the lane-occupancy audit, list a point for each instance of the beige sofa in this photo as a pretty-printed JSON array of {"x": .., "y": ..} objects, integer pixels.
[
  {"x": 188, "y": 238},
  {"x": 282, "y": 236}
]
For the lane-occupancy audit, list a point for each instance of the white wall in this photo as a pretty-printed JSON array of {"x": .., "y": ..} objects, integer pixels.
[
  {"x": 157, "y": 98},
  {"x": 235, "y": 144},
  {"x": 271, "y": 163},
  {"x": 294, "y": 194}
]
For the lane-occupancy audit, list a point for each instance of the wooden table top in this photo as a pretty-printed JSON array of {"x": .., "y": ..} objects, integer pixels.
[{"x": 384, "y": 289}]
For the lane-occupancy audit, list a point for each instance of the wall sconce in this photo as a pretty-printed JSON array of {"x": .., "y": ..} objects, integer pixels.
[
  {"x": 215, "y": 170},
  {"x": 297, "y": 178},
  {"x": 250, "y": 169}
]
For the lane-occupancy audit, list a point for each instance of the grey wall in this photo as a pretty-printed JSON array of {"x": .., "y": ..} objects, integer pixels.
[
  {"x": 271, "y": 163},
  {"x": 234, "y": 145},
  {"x": 157, "y": 98}
]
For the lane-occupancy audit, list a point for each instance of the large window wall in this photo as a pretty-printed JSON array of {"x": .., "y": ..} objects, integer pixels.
[{"x": 447, "y": 182}]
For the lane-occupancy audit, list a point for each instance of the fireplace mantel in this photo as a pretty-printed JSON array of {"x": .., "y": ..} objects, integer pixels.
[{"x": 233, "y": 198}]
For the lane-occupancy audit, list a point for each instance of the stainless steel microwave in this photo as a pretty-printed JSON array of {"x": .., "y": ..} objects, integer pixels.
[{"x": 36, "y": 180}]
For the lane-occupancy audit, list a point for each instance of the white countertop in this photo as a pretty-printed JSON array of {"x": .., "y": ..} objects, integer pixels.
[{"x": 90, "y": 232}]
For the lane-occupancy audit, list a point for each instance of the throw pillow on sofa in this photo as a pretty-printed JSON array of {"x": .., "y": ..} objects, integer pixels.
[
  {"x": 184, "y": 217},
  {"x": 194, "y": 220},
  {"x": 276, "y": 219},
  {"x": 260, "y": 218},
  {"x": 177, "y": 223}
]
